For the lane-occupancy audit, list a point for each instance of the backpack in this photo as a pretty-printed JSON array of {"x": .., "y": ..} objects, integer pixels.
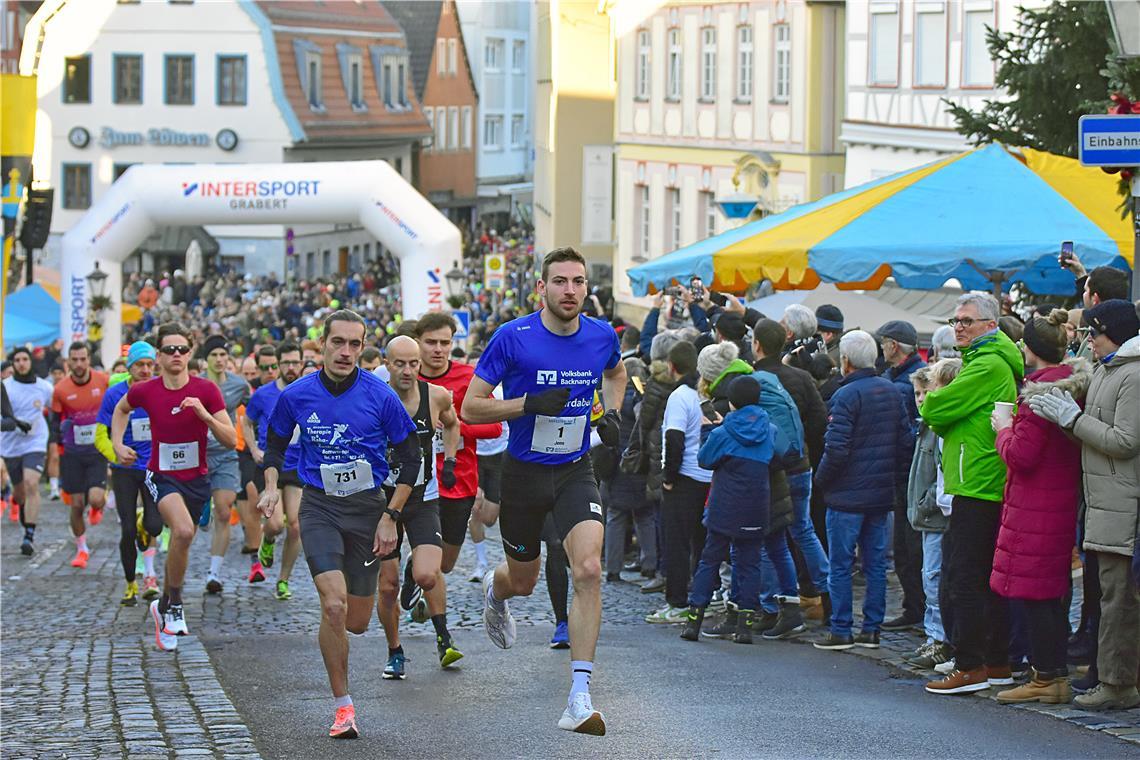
[{"x": 782, "y": 411}]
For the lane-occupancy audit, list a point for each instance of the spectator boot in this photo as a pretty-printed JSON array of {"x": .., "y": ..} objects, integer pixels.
[
  {"x": 789, "y": 621},
  {"x": 725, "y": 628},
  {"x": 1048, "y": 687},
  {"x": 692, "y": 629},
  {"x": 743, "y": 633}
]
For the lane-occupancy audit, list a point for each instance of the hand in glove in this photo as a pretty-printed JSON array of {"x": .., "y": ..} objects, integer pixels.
[
  {"x": 549, "y": 403},
  {"x": 1056, "y": 406},
  {"x": 25, "y": 427},
  {"x": 447, "y": 477},
  {"x": 609, "y": 428}
]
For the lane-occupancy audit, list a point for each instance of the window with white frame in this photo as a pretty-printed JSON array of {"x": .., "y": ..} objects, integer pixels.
[
  {"x": 466, "y": 127},
  {"x": 708, "y": 63},
  {"x": 355, "y": 86},
  {"x": 977, "y": 66},
  {"x": 441, "y": 128},
  {"x": 675, "y": 217},
  {"x": 744, "y": 63},
  {"x": 493, "y": 54},
  {"x": 313, "y": 85},
  {"x": 708, "y": 210},
  {"x": 930, "y": 45},
  {"x": 643, "y": 73},
  {"x": 441, "y": 56},
  {"x": 452, "y": 56},
  {"x": 518, "y": 130},
  {"x": 885, "y": 44},
  {"x": 675, "y": 72},
  {"x": 493, "y": 132},
  {"x": 453, "y": 128},
  {"x": 518, "y": 56},
  {"x": 386, "y": 78},
  {"x": 402, "y": 83},
  {"x": 782, "y": 63},
  {"x": 429, "y": 112},
  {"x": 643, "y": 218}
]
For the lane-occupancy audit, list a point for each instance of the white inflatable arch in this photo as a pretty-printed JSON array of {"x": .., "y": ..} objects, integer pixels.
[{"x": 145, "y": 197}]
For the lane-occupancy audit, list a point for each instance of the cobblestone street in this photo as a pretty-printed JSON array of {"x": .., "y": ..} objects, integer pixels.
[{"x": 81, "y": 677}]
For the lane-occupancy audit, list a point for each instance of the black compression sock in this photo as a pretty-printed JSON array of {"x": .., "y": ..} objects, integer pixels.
[
  {"x": 30, "y": 531},
  {"x": 175, "y": 595},
  {"x": 397, "y": 650},
  {"x": 440, "y": 623}
]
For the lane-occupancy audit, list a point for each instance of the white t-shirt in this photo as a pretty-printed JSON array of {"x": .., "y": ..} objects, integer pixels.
[
  {"x": 382, "y": 373},
  {"x": 29, "y": 401},
  {"x": 488, "y": 446},
  {"x": 683, "y": 412}
]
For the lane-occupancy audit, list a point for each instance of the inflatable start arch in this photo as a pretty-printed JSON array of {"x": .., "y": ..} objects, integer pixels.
[{"x": 145, "y": 197}]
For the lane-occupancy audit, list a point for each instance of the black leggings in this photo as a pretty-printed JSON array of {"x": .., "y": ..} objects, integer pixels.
[
  {"x": 557, "y": 570},
  {"x": 128, "y": 485}
]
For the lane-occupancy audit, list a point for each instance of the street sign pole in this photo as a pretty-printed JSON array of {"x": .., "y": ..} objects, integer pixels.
[
  {"x": 1136, "y": 236},
  {"x": 1114, "y": 140}
]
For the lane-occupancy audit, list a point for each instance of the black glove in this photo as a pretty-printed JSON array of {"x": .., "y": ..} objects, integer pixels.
[
  {"x": 549, "y": 403},
  {"x": 447, "y": 477},
  {"x": 25, "y": 427},
  {"x": 609, "y": 428}
]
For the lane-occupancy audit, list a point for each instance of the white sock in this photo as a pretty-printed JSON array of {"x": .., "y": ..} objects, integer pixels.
[
  {"x": 216, "y": 563},
  {"x": 498, "y": 605},
  {"x": 480, "y": 551},
  {"x": 54, "y": 484},
  {"x": 580, "y": 672},
  {"x": 110, "y": 502},
  {"x": 148, "y": 560},
  {"x": 345, "y": 701},
  {"x": 81, "y": 543}
]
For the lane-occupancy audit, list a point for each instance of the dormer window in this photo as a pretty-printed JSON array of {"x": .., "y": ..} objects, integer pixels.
[{"x": 352, "y": 73}]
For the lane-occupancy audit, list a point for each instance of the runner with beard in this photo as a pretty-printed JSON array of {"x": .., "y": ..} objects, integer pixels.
[
  {"x": 26, "y": 444},
  {"x": 549, "y": 364}
]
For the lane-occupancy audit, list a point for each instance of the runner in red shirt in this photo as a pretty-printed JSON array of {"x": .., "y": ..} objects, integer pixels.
[
  {"x": 75, "y": 403},
  {"x": 435, "y": 331},
  {"x": 181, "y": 410}
]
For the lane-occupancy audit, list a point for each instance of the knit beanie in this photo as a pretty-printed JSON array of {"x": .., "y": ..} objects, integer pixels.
[
  {"x": 743, "y": 391},
  {"x": 212, "y": 343},
  {"x": 140, "y": 349},
  {"x": 662, "y": 342},
  {"x": 1046, "y": 336},
  {"x": 714, "y": 360},
  {"x": 1115, "y": 318}
]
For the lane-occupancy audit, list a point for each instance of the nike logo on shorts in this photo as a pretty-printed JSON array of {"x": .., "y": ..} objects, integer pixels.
[{"x": 370, "y": 562}]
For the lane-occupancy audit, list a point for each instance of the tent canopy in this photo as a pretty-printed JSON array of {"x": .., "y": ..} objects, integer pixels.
[
  {"x": 31, "y": 315},
  {"x": 982, "y": 217}
]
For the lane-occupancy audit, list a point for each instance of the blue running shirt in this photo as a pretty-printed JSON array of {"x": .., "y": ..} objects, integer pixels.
[
  {"x": 356, "y": 425},
  {"x": 259, "y": 409},
  {"x": 139, "y": 423},
  {"x": 525, "y": 357}
]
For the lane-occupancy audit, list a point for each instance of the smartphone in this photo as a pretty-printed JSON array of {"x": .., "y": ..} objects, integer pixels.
[
  {"x": 708, "y": 410},
  {"x": 1066, "y": 252},
  {"x": 674, "y": 290},
  {"x": 719, "y": 299},
  {"x": 697, "y": 288}
]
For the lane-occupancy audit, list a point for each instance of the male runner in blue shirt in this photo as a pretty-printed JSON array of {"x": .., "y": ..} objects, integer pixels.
[{"x": 549, "y": 364}]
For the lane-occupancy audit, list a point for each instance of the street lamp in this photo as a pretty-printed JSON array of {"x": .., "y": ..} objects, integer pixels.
[
  {"x": 1125, "y": 18},
  {"x": 99, "y": 301},
  {"x": 455, "y": 279},
  {"x": 97, "y": 283}
]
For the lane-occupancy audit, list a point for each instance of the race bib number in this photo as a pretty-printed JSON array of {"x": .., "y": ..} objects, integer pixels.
[
  {"x": 140, "y": 429},
  {"x": 557, "y": 435},
  {"x": 177, "y": 456},
  {"x": 347, "y": 478},
  {"x": 84, "y": 435},
  {"x": 437, "y": 442}
]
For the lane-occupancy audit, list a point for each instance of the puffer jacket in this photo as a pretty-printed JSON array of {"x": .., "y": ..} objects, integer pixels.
[
  {"x": 1109, "y": 432},
  {"x": 1042, "y": 491},
  {"x": 648, "y": 428},
  {"x": 960, "y": 413},
  {"x": 922, "y": 510},
  {"x": 738, "y": 451},
  {"x": 789, "y": 447},
  {"x": 868, "y": 446}
]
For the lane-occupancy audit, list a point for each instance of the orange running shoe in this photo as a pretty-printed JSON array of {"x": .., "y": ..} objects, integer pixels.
[
  {"x": 13, "y": 510},
  {"x": 95, "y": 517},
  {"x": 80, "y": 560},
  {"x": 344, "y": 727}
]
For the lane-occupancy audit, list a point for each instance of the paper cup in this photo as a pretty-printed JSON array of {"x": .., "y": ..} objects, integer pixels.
[{"x": 1004, "y": 410}]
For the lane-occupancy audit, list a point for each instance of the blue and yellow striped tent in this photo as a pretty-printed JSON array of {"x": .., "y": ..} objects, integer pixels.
[{"x": 984, "y": 217}]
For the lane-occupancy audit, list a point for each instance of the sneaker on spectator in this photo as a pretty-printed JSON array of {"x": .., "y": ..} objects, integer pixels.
[
  {"x": 867, "y": 639},
  {"x": 668, "y": 614},
  {"x": 725, "y": 628},
  {"x": 901, "y": 623},
  {"x": 1105, "y": 696},
  {"x": 931, "y": 655},
  {"x": 946, "y": 667},
  {"x": 657, "y": 583},
  {"x": 719, "y": 600},
  {"x": 999, "y": 675},
  {"x": 960, "y": 682}
]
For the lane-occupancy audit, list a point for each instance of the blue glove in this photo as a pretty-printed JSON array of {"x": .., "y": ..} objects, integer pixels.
[{"x": 1056, "y": 406}]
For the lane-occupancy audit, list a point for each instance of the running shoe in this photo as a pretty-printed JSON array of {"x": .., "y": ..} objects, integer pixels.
[
  {"x": 13, "y": 510},
  {"x": 256, "y": 573},
  {"x": 80, "y": 560},
  {"x": 561, "y": 637},
  {"x": 419, "y": 613},
  {"x": 668, "y": 615},
  {"x": 94, "y": 517},
  {"x": 283, "y": 591},
  {"x": 27, "y": 548},
  {"x": 213, "y": 584},
  {"x": 410, "y": 592},
  {"x": 581, "y": 717},
  {"x": 174, "y": 623},
  {"x": 265, "y": 553},
  {"x": 142, "y": 538},
  {"x": 344, "y": 725},
  {"x": 394, "y": 670},
  {"x": 150, "y": 587},
  {"x": 498, "y": 623},
  {"x": 164, "y": 539},
  {"x": 130, "y": 595},
  {"x": 448, "y": 654},
  {"x": 162, "y": 640},
  {"x": 478, "y": 573},
  {"x": 54, "y": 495}
]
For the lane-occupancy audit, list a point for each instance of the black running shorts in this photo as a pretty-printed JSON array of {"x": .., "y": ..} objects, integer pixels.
[
  {"x": 79, "y": 472},
  {"x": 338, "y": 532},
  {"x": 567, "y": 491},
  {"x": 249, "y": 472},
  {"x": 491, "y": 476},
  {"x": 453, "y": 517},
  {"x": 419, "y": 521},
  {"x": 195, "y": 493}
]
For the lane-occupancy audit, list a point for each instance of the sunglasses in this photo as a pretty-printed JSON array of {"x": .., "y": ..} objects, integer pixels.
[
  {"x": 172, "y": 350},
  {"x": 267, "y": 366}
]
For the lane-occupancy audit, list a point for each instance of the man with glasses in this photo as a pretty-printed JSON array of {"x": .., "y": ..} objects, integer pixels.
[
  {"x": 288, "y": 364},
  {"x": 182, "y": 409},
  {"x": 974, "y": 476}
]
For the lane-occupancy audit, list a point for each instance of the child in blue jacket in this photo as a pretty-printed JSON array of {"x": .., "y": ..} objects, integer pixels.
[{"x": 738, "y": 452}]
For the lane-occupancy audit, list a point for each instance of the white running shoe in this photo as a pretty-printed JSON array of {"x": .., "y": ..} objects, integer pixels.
[
  {"x": 500, "y": 626},
  {"x": 174, "y": 622},
  {"x": 163, "y": 641},
  {"x": 478, "y": 573},
  {"x": 581, "y": 717},
  {"x": 946, "y": 667}
]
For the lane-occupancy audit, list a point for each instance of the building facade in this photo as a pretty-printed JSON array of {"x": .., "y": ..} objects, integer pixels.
[
  {"x": 124, "y": 83},
  {"x": 498, "y": 36},
  {"x": 707, "y": 91},
  {"x": 904, "y": 57}
]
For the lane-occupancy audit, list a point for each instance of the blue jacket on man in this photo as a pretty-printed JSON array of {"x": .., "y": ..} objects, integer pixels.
[
  {"x": 900, "y": 376},
  {"x": 867, "y": 447}
]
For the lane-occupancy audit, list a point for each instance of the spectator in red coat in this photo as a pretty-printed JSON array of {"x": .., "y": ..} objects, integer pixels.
[{"x": 1039, "y": 509}]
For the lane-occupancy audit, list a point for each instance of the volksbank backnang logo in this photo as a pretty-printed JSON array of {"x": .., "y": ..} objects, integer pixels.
[
  {"x": 547, "y": 377},
  {"x": 250, "y": 194},
  {"x": 567, "y": 377}
]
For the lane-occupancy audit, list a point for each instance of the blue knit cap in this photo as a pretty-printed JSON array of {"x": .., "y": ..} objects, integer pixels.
[{"x": 140, "y": 349}]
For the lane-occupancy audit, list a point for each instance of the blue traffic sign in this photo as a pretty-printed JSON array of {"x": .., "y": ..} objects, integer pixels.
[
  {"x": 1109, "y": 140},
  {"x": 463, "y": 318}
]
